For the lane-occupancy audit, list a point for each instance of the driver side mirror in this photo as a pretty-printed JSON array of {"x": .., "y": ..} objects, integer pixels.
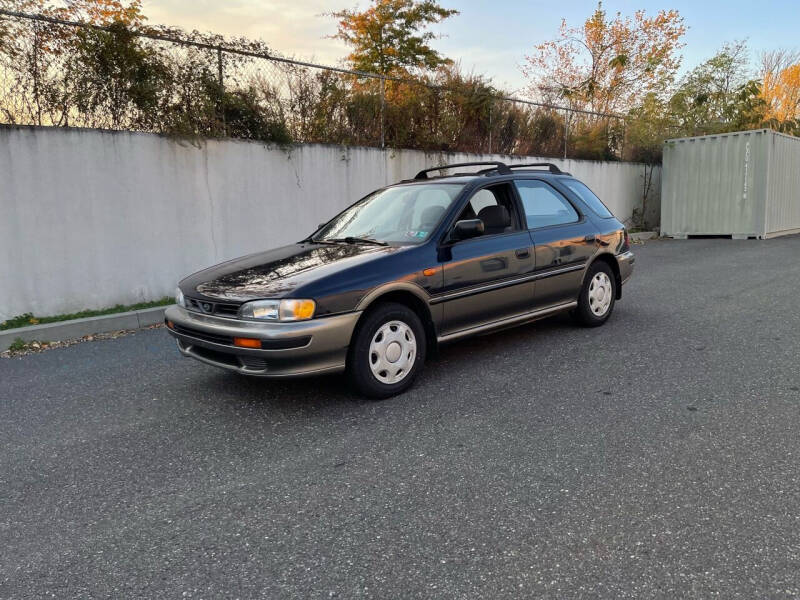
[{"x": 466, "y": 229}]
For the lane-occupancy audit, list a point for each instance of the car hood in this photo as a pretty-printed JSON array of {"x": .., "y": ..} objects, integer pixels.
[{"x": 278, "y": 273}]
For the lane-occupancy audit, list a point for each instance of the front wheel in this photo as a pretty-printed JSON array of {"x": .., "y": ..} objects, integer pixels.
[
  {"x": 387, "y": 351},
  {"x": 597, "y": 297}
]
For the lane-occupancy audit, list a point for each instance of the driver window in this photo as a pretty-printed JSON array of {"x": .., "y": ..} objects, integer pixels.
[
  {"x": 495, "y": 207},
  {"x": 482, "y": 199}
]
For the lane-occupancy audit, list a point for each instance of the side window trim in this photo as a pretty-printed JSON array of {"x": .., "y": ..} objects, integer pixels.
[{"x": 577, "y": 209}]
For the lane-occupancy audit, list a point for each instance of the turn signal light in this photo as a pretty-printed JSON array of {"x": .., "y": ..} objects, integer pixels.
[
  {"x": 246, "y": 342},
  {"x": 170, "y": 324},
  {"x": 428, "y": 272},
  {"x": 298, "y": 310}
]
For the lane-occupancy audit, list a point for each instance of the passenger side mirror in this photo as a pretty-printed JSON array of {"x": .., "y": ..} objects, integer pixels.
[{"x": 466, "y": 229}]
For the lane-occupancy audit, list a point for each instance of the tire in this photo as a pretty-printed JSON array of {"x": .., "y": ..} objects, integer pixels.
[
  {"x": 598, "y": 295},
  {"x": 387, "y": 351}
]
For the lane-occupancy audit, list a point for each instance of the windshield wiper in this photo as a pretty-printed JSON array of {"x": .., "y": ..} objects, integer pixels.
[{"x": 356, "y": 240}]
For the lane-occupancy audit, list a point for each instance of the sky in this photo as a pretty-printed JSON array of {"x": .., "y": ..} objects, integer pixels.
[{"x": 487, "y": 37}]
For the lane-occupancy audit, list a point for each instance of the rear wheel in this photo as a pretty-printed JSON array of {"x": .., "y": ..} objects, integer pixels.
[
  {"x": 597, "y": 297},
  {"x": 387, "y": 351}
]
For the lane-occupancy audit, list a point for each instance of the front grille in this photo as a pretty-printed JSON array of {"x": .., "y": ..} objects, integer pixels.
[
  {"x": 228, "y": 310},
  {"x": 204, "y": 335},
  {"x": 225, "y": 309}
]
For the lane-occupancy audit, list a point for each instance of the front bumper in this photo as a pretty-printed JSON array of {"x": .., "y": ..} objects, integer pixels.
[
  {"x": 289, "y": 349},
  {"x": 625, "y": 262}
]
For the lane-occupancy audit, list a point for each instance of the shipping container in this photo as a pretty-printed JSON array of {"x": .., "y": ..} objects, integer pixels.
[{"x": 744, "y": 184}]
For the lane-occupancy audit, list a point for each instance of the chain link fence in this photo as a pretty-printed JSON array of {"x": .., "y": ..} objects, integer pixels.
[{"x": 55, "y": 72}]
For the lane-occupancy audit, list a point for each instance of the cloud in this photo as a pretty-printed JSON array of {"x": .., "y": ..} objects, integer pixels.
[
  {"x": 293, "y": 28},
  {"x": 298, "y": 28}
]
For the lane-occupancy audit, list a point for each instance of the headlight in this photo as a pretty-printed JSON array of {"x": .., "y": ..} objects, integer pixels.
[
  {"x": 278, "y": 310},
  {"x": 179, "y": 297}
]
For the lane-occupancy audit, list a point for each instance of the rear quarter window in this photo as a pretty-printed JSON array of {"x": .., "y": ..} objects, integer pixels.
[
  {"x": 589, "y": 198},
  {"x": 544, "y": 206}
]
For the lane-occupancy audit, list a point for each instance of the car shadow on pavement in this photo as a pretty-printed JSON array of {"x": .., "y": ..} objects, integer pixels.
[
  {"x": 307, "y": 394},
  {"x": 304, "y": 392}
]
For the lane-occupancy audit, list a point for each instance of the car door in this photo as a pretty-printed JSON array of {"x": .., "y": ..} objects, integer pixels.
[
  {"x": 564, "y": 241},
  {"x": 489, "y": 277}
]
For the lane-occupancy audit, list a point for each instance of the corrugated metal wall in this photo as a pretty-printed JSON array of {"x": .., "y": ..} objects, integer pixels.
[
  {"x": 716, "y": 185},
  {"x": 783, "y": 189}
]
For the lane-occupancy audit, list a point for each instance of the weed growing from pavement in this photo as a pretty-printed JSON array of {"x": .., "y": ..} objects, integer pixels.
[{"x": 18, "y": 345}]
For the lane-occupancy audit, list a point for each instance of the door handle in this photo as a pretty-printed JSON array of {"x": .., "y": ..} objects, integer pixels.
[{"x": 522, "y": 252}]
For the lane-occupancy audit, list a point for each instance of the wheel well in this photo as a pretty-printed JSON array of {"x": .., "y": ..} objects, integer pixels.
[
  {"x": 614, "y": 265},
  {"x": 416, "y": 304}
]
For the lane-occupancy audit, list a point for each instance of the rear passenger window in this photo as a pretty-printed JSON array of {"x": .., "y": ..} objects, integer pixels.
[
  {"x": 587, "y": 195},
  {"x": 543, "y": 205}
]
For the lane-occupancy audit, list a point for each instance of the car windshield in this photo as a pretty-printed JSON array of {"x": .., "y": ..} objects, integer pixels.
[{"x": 405, "y": 214}]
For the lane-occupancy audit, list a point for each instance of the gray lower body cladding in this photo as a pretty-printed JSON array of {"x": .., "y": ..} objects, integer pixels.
[{"x": 288, "y": 349}]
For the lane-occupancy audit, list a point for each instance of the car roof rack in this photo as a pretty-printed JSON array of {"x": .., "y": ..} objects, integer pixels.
[
  {"x": 552, "y": 168},
  {"x": 500, "y": 167}
]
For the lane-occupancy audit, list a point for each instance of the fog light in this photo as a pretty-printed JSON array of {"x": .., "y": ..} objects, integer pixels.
[{"x": 246, "y": 342}]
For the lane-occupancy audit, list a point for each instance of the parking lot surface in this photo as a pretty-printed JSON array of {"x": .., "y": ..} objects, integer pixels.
[{"x": 656, "y": 456}]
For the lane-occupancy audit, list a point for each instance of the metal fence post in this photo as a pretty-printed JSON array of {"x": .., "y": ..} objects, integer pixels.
[
  {"x": 490, "y": 124},
  {"x": 383, "y": 109},
  {"x": 36, "y": 92},
  {"x": 220, "y": 74},
  {"x": 221, "y": 78}
]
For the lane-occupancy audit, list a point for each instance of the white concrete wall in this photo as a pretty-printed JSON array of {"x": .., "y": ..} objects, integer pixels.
[{"x": 89, "y": 219}]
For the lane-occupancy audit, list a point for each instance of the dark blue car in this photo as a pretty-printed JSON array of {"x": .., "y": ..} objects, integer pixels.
[{"x": 422, "y": 262}]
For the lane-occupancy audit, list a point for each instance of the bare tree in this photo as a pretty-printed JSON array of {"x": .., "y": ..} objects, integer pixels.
[{"x": 775, "y": 61}]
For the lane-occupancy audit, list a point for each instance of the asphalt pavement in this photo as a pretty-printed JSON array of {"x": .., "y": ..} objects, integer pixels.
[{"x": 657, "y": 456}]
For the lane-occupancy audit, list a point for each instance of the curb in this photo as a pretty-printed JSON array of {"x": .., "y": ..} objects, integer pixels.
[
  {"x": 642, "y": 235},
  {"x": 67, "y": 330}
]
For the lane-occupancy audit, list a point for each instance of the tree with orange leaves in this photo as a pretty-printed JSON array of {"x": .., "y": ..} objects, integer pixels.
[
  {"x": 390, "y": 36},
  {"x": 97, "y": 12},
  {"x": 608, "y": 63},
  {"x": 104, "y": 12},
  {"x": 781, "y": 91}
]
